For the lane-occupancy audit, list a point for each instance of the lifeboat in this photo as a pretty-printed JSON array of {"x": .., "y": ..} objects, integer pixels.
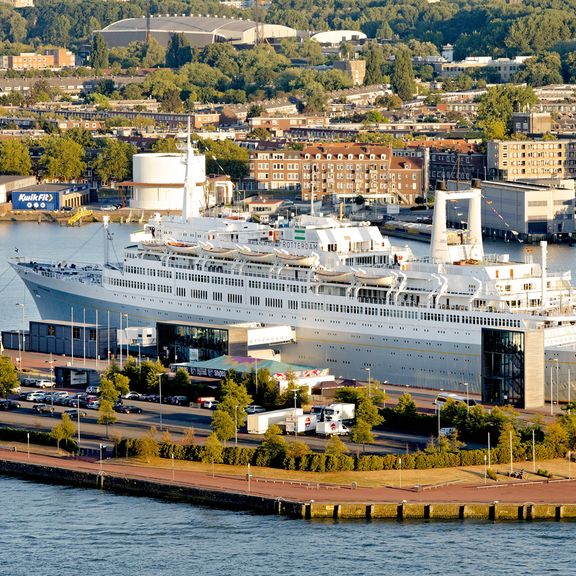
[
  {"x": 256, "y": 256},
  {"x": 295, "y": 260},
  {"x": 343, "y": 277},
  {"x": 210, "y": 250},
  {"x": 152, "y": 245},
  {"x": 375, "y": 279},
  {"x": 182, "y": 247}
]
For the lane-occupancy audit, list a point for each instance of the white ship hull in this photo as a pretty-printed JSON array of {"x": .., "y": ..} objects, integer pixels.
[{"x": 412, "y": 352}]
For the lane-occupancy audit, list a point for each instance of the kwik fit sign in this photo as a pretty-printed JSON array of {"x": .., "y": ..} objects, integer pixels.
[{"x": 35, "y": 201}]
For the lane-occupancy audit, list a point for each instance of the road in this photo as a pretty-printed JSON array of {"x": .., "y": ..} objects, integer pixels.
[{"x": 177, "y": 420}]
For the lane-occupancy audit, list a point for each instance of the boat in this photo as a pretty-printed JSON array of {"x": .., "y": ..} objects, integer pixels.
[
  {"x": 215, "y": 252},
  {"x": 297, "y": 260},
  {"x": 254, "y": 256},
  {"x": 342, "y": 277},
  {"x": 353, "y": 299},
  {"x": 182, "y": 247},
  {"x": 387, "y": 279}
]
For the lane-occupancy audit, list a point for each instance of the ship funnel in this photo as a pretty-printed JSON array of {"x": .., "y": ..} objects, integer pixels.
[
  {"x": 474, "y": 249},
  {"x": 193, "y": 197}
]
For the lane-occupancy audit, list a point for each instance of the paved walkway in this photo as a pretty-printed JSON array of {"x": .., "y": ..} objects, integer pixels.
[{"x": 554, "y": 492}]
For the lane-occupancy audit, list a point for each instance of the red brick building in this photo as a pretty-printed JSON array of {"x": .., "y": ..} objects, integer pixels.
[{"x": 346, "y": 170}]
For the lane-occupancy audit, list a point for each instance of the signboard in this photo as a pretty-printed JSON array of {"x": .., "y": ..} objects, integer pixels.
[{"x": 35, "y": 201}]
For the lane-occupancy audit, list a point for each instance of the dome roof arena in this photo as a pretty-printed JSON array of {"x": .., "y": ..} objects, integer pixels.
[{"x": 199, "y": 30}]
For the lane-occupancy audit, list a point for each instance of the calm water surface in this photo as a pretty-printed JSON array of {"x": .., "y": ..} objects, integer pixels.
[{"x": 56, "y": 531}]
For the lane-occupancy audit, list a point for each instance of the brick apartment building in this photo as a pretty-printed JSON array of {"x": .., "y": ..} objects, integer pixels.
[
  {"x": 342, "y": 169},
  {"x": 521, "y": 159},
  {"x": 53, "y": 58}
]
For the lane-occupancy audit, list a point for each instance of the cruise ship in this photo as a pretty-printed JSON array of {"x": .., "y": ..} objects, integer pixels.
[{"x": 458, "y": 320}]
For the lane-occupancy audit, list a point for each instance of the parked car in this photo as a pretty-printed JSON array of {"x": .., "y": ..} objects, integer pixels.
[
  {"x": 16, "y": 390},
  {"x": 29, "y": 381},
  {"x": 45, "y": 384},
  {"x": 132, "y": 395},
  {"x": 177, "y": 400},
  {"x": 75, "y": 413},
  {"x": 210, "y": 404},
  {"x": 35, "y": 396},
  {"x": 94, "y": 405},
  {"x": 43, "y": 408},
  {"x": 129, "y": 409},
  {"x": 9, "y": 405},
  {"x": 93, "y": 390},
  {"x": 255, "y": 409}
]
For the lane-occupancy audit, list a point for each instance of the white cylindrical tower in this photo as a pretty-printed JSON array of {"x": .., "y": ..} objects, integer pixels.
[
  {"x": 439, "y": 241},
  {"x": 475, "y": 224}
]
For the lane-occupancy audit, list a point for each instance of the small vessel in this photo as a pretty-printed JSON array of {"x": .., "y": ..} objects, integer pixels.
[
  {"x": 255, "y": 256},
  {"x": 182, "y": 247},
  {"x": 214, "y": 252},
  {"x": 296, "y": 260},
  {"x": 343, "y": 277},
  {"x": 375, "y": 279}
]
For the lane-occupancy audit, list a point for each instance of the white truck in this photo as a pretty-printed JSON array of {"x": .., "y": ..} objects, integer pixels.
[
  {"x": 259, "y": 423},
  {"x": 339, "y": 413},
  {"x": 301, "y": 424},
  {"x": 333, "y": 428}
]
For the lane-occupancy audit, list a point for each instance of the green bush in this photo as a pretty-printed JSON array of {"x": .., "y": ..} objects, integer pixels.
[
  {"x": 491, "y": 474},
  {"x": 41, "y": 438}
]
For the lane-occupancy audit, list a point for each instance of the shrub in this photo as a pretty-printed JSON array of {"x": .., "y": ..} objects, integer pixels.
[
  {"x": 41, "y": 438},
  {"x": 491, "y": 474}
]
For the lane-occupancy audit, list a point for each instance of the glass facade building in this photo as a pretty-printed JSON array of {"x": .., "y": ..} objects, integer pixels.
[
  {"x": 188, "y": 342},
  {"x": 503, "y": 367}
]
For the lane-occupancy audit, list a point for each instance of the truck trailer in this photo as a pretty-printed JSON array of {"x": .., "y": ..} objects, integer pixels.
[
  {"x": 259, "y": 423},
  {"x": 301, "y": 424}
]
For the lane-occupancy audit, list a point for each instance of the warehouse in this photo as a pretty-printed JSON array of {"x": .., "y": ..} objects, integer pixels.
[{"x": 200, "y": 31}]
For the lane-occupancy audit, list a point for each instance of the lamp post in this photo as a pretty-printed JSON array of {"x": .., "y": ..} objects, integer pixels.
[
  {"x": 121, "y": 343},
  {"x": 467, "y": 398},
  {"x": 21, "y": 338},
  {"x": 160, "y": 396},
  {"x": 533, "y": 451},
  {"x": 295, "y": 415},
  {"x": 78, "y": 420},
  {"x": 485, "y": 470},
  {"x": 139, "y": 357},
  {"x": 100, "y": 458},
  {"x": 236, "y": 425},
  {"x": 489, "y": 452},
  {"x": 400, "y": 468},
  {"x": 557, "y": 382},
  {"x": 28, "y": 443},
  {"x": 172, "y": 456},
  {"x": 127, "y": 340},
  {"x": 369, "y": 370}
]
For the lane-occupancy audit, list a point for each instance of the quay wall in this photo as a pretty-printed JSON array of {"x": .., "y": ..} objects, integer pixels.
[{"x": 308, "y": 510}]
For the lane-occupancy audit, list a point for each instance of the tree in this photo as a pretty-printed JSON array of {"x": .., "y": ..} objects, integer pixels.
[
  {"x": 403, "y": 75},
  {"x": 223, "y": 425},
  {"x": 147, "y": 447},
  {"x": 273, "y": 444},
  {"x": 64, "y": 430},
  {"x": 153, "y": 54},
  {"x": 15, "y": 157},
  {"x": 171, "y": 101},
  {"x": 99, "y": 52},
  {"x": 213, "y": 451},
  {"x": 110, "y": 390},
  {"x": 234, "y": 399},
  {"x": 178, "y": 51},
  {"x": 362, "y": 433},
  {"x": 336, "y": 447},
  {"x": 8, "y": 376},
  {"x": 225, "y": 156},
  {"x": 500, "y": 102},
  {"x": 165, "y": 145},
  {"x": 63, "y": 159},
  {"x": 406, "y": 406},
  {"x": 297, "y": 449},
  {"x": 390, "y": 102},
  {"x": 114, "y": 161},
  {"x": 375, "y": 64},
  {"x": 541, "y": 70}
]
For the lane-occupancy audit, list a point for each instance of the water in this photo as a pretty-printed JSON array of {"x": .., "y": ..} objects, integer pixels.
[{"x": 57, "y": 531}]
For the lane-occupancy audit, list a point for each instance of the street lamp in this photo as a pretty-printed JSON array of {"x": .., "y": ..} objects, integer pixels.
[
  {"x": 21, "y": 338},
  {"x": 236, "y": 425},
  {"x": 557, "y": 381},
  {"x": 78, "y": 420},
  {"x": 160, "y": 395},
  {"x": 369, "y": 370},
  {"x": 127, "y": 340},
  {"x": 467, "y": 398}
]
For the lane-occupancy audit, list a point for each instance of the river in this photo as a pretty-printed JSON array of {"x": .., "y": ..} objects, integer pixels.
[{"x": 56, "y": 531}]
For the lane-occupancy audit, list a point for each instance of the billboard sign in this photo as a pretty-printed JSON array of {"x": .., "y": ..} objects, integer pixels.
[{"x": 35, "y": 201}]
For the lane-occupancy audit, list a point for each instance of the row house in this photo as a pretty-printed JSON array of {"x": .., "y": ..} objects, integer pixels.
[{"x": 342, "y": 170}]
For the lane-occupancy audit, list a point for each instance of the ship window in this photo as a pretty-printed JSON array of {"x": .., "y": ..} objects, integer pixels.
[{"x": 76, "y": 333}]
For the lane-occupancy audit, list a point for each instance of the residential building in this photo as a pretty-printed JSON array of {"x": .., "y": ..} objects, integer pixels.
[
  {"x": 505, "y": 67},
  {"x": 521, "y": 159},
  {"x": 341, "y": 169},
  {"x": 54, "y": 58},
  {"x": 532, "y": 122},
  {"x": 355, "y": 69}
]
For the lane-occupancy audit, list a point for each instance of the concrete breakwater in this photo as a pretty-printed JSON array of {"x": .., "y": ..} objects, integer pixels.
[{"x": 307, "y": 509}]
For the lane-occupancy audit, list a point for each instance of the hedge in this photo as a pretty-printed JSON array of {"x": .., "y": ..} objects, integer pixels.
[{"x": 41, "y": 438}]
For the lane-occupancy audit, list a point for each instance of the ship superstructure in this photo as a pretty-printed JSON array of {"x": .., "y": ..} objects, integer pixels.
[{"x": 354, "y": 300}]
